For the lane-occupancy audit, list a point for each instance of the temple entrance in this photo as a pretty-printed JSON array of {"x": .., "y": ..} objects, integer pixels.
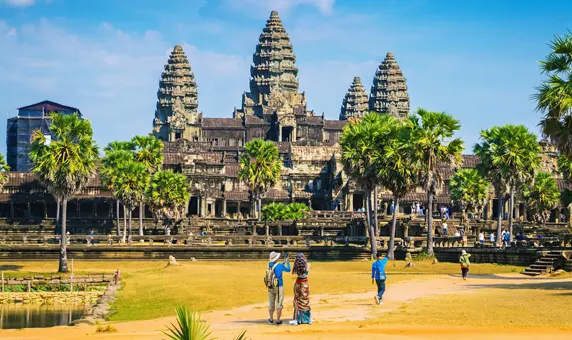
[
  {"x": 357, "y": 201},
  {"x": 287, "y": 134},
  {"x": 194, "y": 206}
]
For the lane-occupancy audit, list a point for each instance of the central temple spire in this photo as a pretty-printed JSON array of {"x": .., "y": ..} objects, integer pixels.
[{"x": 273, "y": 74}]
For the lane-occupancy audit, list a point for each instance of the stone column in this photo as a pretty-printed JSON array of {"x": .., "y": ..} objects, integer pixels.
[
  {"x": 293, "y": 137},
  {"x": 490, "y": 210},
  {"x": 351, "y": 202},
  {"x": 238, "y": 208},
  {"x": 110, "y": 211},
  {"x": 525, "y": 213},
  {"x": 200, "y": 204},
  {"x": 95, "y": 208},
  {"x": 29, "y": 208},
  {"x": 279, "y": 133},
  {"x": 224, "y": 208},
  {"x": 516, "y": 211}
]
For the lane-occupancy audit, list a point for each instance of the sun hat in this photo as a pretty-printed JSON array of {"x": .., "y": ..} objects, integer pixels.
[
  {"x": 274, "y": 256},
  {"x": 463, "y": 252}
]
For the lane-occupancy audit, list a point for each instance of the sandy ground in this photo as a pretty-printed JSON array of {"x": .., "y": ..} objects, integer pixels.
[{"x": 336, "y": 316}]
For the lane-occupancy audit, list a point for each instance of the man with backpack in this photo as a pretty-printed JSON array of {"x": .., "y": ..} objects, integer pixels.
[
  {"x": 275, "y": 284},
  {"x": 378, "y": 276}
]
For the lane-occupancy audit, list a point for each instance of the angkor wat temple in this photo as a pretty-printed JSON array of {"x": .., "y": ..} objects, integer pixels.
[{"x": 207, "y": 150}]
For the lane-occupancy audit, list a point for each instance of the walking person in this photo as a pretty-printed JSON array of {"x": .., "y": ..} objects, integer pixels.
[
  {"x": 492, "y": 238},
  {"x": 302, "y": 310},
  {"x": 465, "y": 263},
  {"x": 275, "y": 284},
  {"x": 481, "y": 238},
  {"x": 378, "y": 276}
]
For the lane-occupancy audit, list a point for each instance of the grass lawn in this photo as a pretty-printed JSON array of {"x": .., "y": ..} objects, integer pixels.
[{"x": 151, "y": 290}]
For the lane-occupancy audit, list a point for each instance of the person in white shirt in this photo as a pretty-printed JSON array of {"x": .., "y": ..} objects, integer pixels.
[
  {"x": 482, "y": 238},
  {"x": 492, "y": 237},
  {"x": 445, "y": 233}
]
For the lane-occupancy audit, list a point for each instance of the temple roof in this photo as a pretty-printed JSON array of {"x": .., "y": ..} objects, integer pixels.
[
  {"x": 334, "y": 124},
  {"x": 222, "y": 123},
  {"x": 48, "y": 106}
]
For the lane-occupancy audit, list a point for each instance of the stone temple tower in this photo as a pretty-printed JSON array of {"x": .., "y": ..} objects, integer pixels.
[
  {"x": 176, "y": 116},
  {"x": 355, "y": 102},
  {"x": 389, "y": 91},
  {"x": 273, "y": 75}
]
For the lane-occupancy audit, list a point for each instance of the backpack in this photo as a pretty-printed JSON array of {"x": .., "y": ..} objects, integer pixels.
[{"x": 270, "y": 279}]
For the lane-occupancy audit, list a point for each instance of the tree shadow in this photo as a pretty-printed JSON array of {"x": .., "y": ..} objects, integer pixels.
[
  {"x": 566, "y": 285},
  {"x": 10, "y": 267},
  {"x": 499, "y": 277}
]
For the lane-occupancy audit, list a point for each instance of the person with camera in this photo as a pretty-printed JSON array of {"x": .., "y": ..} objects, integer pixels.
[{"x": 275, "y": 284}]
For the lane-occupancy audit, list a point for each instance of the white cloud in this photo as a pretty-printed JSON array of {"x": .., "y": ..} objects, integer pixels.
[
  {"x": 324, "y": 6},
  {"x": 19, "y": 3}
]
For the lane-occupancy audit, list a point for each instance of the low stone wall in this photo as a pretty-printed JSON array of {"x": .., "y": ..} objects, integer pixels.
[
  {"x": 91, "y": 279},
  {"x": 509, "y": 256},
  {"x": 334, "y": 253},
  {"x": 51, "y": 298}
]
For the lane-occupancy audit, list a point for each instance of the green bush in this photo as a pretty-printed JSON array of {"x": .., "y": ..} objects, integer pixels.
[{"x": 280, "y": 211}]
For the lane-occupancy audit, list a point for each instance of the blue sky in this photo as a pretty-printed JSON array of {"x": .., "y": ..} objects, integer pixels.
[{"x": 474, "y": 59}]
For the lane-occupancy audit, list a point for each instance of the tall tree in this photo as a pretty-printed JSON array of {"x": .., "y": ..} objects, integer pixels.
[
  {"x": 470, "y": 190},
  {"x": 359, "y": 141},
  {"x": 435, "y": 150},
  {"x": 130, "y": 182},
  {"x": 116, "y": 155},
  {"x": 509, "y": 156},
  {"x": 4, "y": 168},
  {"x": 542, "y": 196},
  {"x": 397, "y": 168},
  {"x": 260, "y": 169},
  {"x": 65, "y": 164},
  {"x": 554, "y": 95},
  {"x": 167, "y": 195},
  {"x": 148, "y": 151}
]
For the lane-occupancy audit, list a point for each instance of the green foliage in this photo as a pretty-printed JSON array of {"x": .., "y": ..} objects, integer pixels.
[
  {"x": 168, "y": 194},
  {"x": 509, "y": 155},
  {"x": 280, "y": 211},
  {"x": 189, "y": 326},
  {"x": 543, "y": 195},
  {"x": 149, "y": 151},
  {"x": 4, "y": 168},
  {"x": 260, "y": 168},
  {"x": 469, "y": 189},
  {"x": 554, "y": 95}
]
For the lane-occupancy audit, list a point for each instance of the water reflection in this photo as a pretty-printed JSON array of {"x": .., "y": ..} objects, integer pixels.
[{"x": 37, "y": 316}]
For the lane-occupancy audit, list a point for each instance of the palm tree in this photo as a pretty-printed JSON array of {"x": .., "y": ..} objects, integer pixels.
[
  {"x": 554, "y": 95},
  {"x": 116, "y": 155},
  {"x": 148, "y": 151},
  {"x": 509, "y": 156},
  {"x": 65, "y": 164},
  {"x": 260, "y": 169},
  {"x": 168, "y": 194},
  {"x": 397, "y": 168},
  {"x": 542, "y": 195},
  {"x": 130, "y": 182},
  {"x": 359, "y": 142},
  {"x": 470, "y": 190},
  {"x": 435, "y": 151},
  {"x": 4, "y": 168},
  {"x": 191, "y": 326}
]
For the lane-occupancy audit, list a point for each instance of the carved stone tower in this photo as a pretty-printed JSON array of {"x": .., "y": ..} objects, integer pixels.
[
  {"x": 274, "y": 95},
  {"x": 355, "y": 102},
  {"x": 176, "y": 116},
  {"x": 389, "y": 92}
]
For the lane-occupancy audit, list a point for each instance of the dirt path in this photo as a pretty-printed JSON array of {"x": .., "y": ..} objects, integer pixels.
[{"x": 337, "y": 316}]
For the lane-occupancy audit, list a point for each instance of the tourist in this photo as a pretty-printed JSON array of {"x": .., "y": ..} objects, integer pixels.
[
  {"x": 465, "y": 263},
  {"x": 445, "y": 232},
  {"x": 492, "y": 238},
  {"x": 506, "y": 239},
  {"x": 275, "y": 286},
  {"x": 457, "y": 234},
  {"x": 392, "y": 208},
  {"x": 378, "y": 276},
  {"x": 302, "y": 310},
  {"x": 91, "y": 240},
  {"x": 481, "y": 238}
]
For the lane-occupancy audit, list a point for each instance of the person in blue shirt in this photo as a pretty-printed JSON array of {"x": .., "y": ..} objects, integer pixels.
[
  {"x": 276, "y": 295},
  {"x": 378, "y": 276}
]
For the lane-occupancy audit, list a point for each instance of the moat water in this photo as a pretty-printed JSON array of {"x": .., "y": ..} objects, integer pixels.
[{"x": 38, "y": 316}]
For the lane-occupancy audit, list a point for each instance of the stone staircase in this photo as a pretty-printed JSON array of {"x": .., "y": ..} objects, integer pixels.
[{"x": 545, "y": 264}]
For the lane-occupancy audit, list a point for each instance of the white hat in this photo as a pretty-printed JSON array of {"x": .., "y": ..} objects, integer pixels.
[
  {"x": 274, "y": 256},
  {"x": 463, "y": 252}
]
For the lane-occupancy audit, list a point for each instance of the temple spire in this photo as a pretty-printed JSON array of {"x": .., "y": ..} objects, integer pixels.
[
  {"x": 273, "y": 68},
  {"x": 355, "y": 103},
  {"x": 388, "y": 94},
  {"x": 177, "y": 98}
]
